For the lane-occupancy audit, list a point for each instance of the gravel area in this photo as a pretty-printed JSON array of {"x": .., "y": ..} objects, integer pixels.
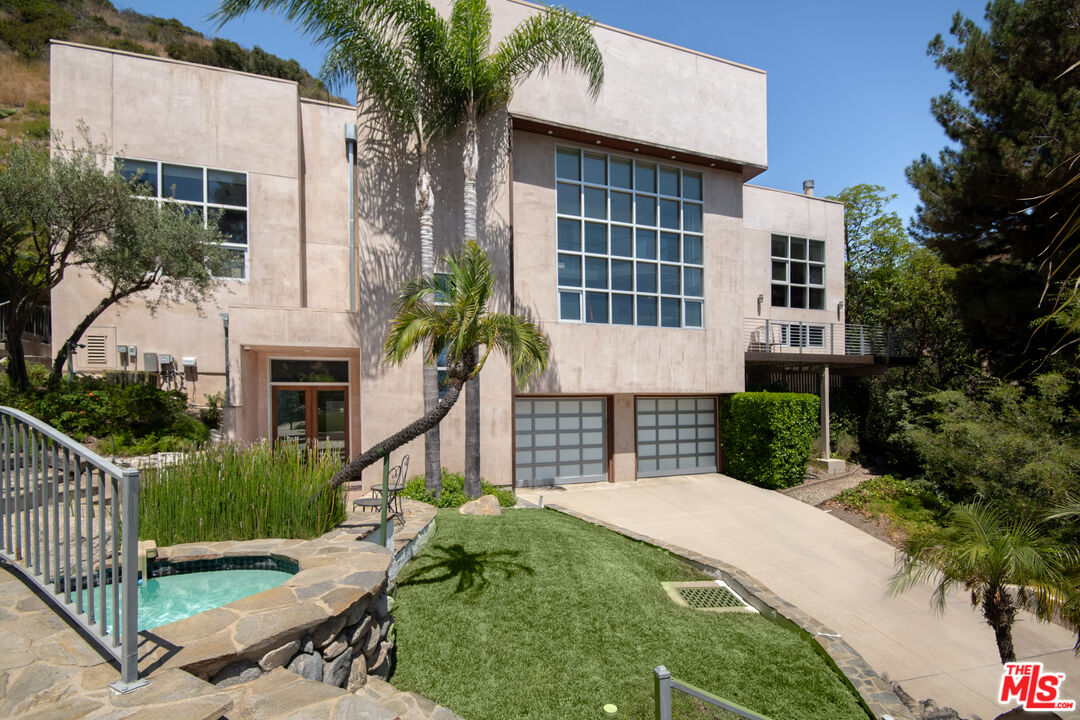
[{"x": 816, "y": 489}]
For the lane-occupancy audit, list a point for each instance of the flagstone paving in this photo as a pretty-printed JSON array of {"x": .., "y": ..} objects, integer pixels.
[{"x": 48, "y": 670}]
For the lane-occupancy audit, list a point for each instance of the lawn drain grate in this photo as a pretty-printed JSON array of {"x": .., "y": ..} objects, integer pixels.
[
  {"x": 708, "y": 598},
  {"x": 713, "y": 595}
]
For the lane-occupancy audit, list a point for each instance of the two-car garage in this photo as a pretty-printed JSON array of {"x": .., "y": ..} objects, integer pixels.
[{"x": 563, "y": 440}]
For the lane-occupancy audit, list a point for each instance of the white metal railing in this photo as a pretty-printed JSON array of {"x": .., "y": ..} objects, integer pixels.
[
  {"x": 663, "y": 684},
  {"x": 69, "y": 523},
  {"x": 785, "y": 336}
]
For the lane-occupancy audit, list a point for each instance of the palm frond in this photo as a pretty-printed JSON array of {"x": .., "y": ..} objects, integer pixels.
[
  {"x": 555, "y": 37},
  {"x": 521, "y": 342}
]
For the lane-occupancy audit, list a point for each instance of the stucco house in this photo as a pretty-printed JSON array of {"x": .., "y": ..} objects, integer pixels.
[{"x": 625, "y": 227}]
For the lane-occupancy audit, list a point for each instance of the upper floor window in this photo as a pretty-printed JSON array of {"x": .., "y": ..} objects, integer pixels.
[
  {"x": 630, "y": 237},
  {"x": 798, "y": 272},
  {"x": 441, "y": 362},
  {"x": 214, "y": 195}
]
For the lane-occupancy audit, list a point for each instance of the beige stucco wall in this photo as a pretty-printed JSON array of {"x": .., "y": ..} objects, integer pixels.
[
  {"x": 653, "y": 92},
  {"x": 296, "y": 300},
  {"x": 768, "y": 211}
]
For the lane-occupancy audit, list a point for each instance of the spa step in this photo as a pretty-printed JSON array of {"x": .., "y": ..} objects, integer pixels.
[{"x": 282, "y": 693}]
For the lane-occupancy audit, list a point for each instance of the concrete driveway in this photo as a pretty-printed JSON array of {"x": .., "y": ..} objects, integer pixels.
[{"x": 835, "y": 573}]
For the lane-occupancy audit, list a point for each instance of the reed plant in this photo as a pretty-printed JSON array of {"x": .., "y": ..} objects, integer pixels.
[{"x": 241, "y": 492}]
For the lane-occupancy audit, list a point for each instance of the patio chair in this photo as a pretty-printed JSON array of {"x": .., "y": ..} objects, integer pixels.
[
  {"x": 396, "y": 484},
  {"x": 398, "y": 476}
]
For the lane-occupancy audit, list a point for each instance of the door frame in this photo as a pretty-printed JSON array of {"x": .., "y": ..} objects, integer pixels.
[
  {"x": 311, "y": 422},
  {"x": 271, "y": 404}
]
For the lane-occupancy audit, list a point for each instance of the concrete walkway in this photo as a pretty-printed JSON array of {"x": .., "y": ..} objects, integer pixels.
[{"x": 835, "y": 573}]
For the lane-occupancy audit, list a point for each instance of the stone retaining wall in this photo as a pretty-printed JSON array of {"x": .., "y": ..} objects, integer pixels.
[{"x": 330, "y": 622}]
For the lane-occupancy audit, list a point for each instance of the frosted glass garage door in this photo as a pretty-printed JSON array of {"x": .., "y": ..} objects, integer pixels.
[
  {"x": 559, "y": 441},
  {"x": 676, "y": 436}
]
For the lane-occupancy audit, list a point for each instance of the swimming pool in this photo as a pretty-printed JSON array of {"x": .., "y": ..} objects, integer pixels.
[{"x": 169, "y": 598}]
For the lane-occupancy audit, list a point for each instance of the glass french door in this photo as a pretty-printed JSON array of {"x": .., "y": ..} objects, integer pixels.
[{"x": 312, "y": 416}]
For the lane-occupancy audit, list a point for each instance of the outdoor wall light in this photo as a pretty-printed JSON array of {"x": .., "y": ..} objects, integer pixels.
[{"x": 760, "y": 299}]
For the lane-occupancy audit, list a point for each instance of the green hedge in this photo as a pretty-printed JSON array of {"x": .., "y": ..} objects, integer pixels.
[
  {"x": 768, "y": 437},
  {"x": 453, "y": 491}
]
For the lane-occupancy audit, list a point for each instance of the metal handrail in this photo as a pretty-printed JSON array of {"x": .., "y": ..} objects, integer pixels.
[
  {"x": 797, "y": 336},
  {"x": 663, "y": 684},
  {"x": 39, "y": 465}
]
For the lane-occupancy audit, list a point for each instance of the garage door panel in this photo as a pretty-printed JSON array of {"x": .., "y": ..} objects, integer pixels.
[
  {"x": 559, "y": 441},
  {"x": 676, "y": 436}
]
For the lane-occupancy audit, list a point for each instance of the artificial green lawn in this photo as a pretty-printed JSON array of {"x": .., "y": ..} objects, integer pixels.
[{"x": 535, "y": 614}]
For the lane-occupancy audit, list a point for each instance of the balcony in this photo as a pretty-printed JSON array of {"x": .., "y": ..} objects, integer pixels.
[{"x": 771, "y": 340}]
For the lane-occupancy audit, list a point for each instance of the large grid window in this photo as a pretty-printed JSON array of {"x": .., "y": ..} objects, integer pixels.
[
  {"x": 214, "y": 195},
  {"x": 798, "y": 272},
  {"x": 630, "y": 241}
]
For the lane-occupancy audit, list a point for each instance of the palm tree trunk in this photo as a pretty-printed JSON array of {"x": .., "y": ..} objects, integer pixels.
[
  {"x": 472, "y": 436},
  {"x": 470, "y": 163},
  {"x": 425, "y": 209},
  {"x": 999, "y": 613},
  {"x": 410, "y": 432}
]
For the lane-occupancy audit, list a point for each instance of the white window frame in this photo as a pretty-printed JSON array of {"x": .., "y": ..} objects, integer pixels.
[
  {"x": 205, "y": 205},
  {"x": 583, "y": 254},
  {"x": 790, "y": 287}
]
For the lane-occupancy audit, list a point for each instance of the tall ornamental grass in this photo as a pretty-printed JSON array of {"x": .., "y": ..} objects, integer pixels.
[{"x": 235, "y": 492}]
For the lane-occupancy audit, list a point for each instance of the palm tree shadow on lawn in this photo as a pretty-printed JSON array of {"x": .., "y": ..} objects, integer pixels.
[{"x": 445, "y": 562}]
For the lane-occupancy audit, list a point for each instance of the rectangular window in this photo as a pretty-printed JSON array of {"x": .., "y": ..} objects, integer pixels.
[
  {"x": 217, "y": 196},
  {"x": 798, "y": 272},
  {"x": 441, "y": 279},
  {"x": 630, "y": 241}
]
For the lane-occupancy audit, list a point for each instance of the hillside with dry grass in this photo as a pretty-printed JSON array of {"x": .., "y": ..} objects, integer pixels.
[{"x": 26, "y": 26}]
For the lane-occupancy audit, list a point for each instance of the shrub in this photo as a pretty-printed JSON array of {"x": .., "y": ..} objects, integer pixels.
[
  {"x": 130, "y": 419},
  {"x": 1013, "y": 446},
  {"x": 212, "y": 414},
  {"x": 453, "y": 491},
  {"x": 232, "y": 492},
  {"x": 768, "y": 437}
]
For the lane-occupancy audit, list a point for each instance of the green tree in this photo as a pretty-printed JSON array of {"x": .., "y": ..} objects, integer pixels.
[
  {"x": 1004, "y": 563},
  {"x": 477, "y": 80},
  {"x": 897, "y": 283},
  {"x": 70, "y": 211},
  {"x": 1011, "y": 114},
  {"x": 150, "y": 247},
  {"x": 390, "y": 62},
  {"x": 461, "y": 326}
]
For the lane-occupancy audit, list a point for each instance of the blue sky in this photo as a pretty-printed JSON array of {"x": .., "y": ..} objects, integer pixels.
[{"x": 849, "y": 81}]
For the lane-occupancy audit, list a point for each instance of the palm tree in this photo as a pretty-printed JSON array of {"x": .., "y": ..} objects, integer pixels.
[
  {"x": 387, "y": 61},
  {"x": 988, "y": 555},
  {"x": 459, "y": 325},
  {"x": 478, "y": 80}
]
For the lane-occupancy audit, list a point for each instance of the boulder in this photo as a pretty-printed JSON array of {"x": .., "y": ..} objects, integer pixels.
[
  {"x": 483, "y": 505},
  {"x": 308, "y": 666},
  {"x": 379, "y": 664},
  {"x": 336, "y": 671},
  {"x": 280, "y": 656},
  {"x": 357, "y": 674},
  {"x": 335, "y": 648},
  {"x": 360, "y": 631},
  {"x": 356, "y": 613},
  {"x": 241, "y": 671}
]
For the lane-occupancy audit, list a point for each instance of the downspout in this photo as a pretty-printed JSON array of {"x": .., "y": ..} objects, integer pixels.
[{"x": 350, "y": 149}]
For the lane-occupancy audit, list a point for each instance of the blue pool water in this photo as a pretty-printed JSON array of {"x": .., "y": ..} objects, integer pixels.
[{"x": 174, "y": 597}]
